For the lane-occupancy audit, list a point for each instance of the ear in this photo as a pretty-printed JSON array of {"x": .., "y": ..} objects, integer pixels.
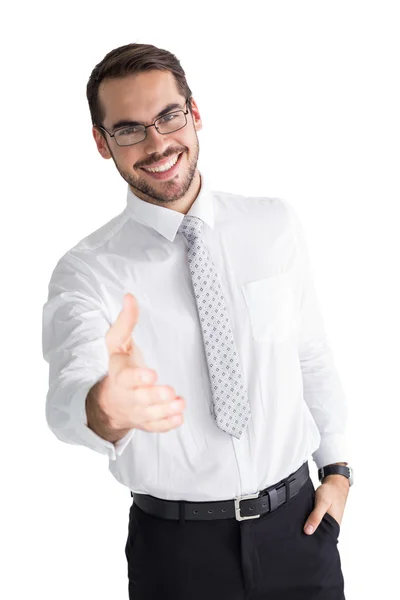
[
  {"x": 196, "y": 115},
  {"x": 101, "y": 143}
]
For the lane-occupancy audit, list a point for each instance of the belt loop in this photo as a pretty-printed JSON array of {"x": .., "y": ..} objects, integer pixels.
[
  {"x": 273, "y": 499},
  {"x": 287, "y": 487},
  {"x": 181, "y": 512}
]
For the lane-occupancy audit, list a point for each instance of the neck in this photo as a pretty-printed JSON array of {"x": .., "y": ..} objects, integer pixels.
[{"x": 183, "y": 204}]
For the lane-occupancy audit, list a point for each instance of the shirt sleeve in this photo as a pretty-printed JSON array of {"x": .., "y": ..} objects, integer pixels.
[
  {"x": 322, "y": 388},
  {"x": 74, "y": 323}
]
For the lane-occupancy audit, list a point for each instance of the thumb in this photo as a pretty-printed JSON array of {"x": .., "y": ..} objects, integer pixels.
[
  {"x": 315, "y": 517},
  {"x": 119, "y": 335}
]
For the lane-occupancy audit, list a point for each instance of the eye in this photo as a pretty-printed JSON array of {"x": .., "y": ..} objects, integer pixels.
[
  {"x": 128, "y": 131},
  {"x": 168, "y": 118}
]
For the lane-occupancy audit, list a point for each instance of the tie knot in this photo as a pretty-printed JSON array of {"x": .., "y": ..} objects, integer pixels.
[{"x": 191, "y": 226}]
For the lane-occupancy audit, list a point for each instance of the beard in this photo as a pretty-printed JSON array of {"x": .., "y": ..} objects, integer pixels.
[{"x": 164, "y": 192}]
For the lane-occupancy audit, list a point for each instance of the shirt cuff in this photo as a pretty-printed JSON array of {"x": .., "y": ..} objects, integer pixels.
[
  {"x": 332, "y": 449},
  {"x": 123, "y": 442}
]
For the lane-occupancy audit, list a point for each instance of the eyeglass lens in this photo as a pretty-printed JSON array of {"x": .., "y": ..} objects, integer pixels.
[{"x": 137, "y": 133}]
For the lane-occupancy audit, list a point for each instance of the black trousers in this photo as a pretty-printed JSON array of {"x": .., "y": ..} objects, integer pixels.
[{"x": 268, "y": 558}]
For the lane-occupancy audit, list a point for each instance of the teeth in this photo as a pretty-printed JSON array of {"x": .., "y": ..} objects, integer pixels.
[{"x": 165, "y": 167}]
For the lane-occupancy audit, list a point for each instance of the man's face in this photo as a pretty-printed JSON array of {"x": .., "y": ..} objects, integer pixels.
[{"x": 140, "y": 98}]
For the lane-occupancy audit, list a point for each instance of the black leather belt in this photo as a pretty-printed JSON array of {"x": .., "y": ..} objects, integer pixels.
[{"x": 249, "y": 506}]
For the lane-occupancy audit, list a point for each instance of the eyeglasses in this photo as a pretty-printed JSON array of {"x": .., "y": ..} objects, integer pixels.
[{"x": 134, "y": 134}]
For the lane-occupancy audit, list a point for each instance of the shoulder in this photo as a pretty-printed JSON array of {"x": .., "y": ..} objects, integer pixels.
[
  {"x": 83, "y": 256},
  {"x": 241, "y": 206},
  {"x": 103, "y": 235}
]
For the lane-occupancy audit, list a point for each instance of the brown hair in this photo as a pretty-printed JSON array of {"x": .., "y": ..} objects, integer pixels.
[{"x": 129, "y": 59}]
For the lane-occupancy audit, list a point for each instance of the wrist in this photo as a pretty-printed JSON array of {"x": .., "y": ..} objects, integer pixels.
[
  {"x": 96, "y": 415},
  {"x": 97, "y": 418},
  {"x": 337, "y": 480},
  {"x": 336, "y": 473}
]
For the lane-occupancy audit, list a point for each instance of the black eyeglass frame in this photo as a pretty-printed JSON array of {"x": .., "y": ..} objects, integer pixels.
[{"x": 185, "y": 112}]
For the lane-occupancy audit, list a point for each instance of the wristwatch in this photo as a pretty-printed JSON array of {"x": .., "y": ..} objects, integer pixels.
[{"x": 336, "y": 470}]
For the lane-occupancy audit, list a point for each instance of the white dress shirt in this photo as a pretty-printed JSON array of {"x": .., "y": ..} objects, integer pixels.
[{"x": 297, "y": 402}]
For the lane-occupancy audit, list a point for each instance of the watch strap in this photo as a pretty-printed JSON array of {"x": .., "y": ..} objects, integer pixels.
[{"x": 333, "y": 470}]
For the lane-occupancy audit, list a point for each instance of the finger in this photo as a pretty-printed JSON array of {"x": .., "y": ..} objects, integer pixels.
[
  {"x": 153, "y": 394},
  {"x": 131, "y": 377},
  {"x": 119, "y": 335},
  {"x": 152, "y": 404},
  {"x": 145, "y": 404},
  {"x": 315, "y": 518},
  {"x": 163, "y": 424},
  {"x": 136, "y": 356},
  {"x": 117, "y": 363},
  {"x": 165, "y": 410}
]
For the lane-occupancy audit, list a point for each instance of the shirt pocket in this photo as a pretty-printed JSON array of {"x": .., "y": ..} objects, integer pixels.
[{"x": 270, "y": 304}]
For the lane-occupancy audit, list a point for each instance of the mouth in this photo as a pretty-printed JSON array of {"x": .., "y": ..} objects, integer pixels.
[{"x": 170, "y": 172}]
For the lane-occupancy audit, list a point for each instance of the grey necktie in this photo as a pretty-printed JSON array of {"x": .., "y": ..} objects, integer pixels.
[{"x": 231, "y": 408}]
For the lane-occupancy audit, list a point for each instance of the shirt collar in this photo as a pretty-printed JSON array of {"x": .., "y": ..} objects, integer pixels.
[{"x": 165, "y": 220}]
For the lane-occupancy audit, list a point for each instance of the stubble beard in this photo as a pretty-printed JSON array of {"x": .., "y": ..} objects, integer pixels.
[{"x": 167, "y": 192}]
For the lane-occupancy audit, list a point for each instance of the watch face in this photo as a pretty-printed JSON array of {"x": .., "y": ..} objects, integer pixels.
[{"x": 351, "y": 478}]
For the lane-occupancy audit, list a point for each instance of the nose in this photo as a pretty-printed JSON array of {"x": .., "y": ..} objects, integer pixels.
[{"x": 155, "y": 143}]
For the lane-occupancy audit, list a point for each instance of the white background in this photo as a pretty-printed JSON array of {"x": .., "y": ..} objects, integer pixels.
[{"x": 299, "y": 100}]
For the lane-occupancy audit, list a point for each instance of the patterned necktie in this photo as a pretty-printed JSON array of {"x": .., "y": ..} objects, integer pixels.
[{"x": 231, "y": 408}]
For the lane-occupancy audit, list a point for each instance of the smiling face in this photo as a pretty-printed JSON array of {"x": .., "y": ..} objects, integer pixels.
[{"x": 140, "y": 98}]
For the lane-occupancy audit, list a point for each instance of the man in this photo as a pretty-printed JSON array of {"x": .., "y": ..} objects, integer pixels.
[{"x": 185, "y": 341}]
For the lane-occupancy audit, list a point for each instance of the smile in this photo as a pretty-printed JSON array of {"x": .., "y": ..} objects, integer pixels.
[
  {"x": 167, "y": 170},
  {"x": 165, "y": 167}
]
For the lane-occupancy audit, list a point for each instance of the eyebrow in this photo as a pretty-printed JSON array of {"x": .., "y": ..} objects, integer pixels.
[{"x": 128, "y": 123}]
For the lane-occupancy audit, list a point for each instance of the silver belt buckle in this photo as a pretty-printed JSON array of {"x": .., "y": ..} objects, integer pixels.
[{"x": 237, "y": 500}]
